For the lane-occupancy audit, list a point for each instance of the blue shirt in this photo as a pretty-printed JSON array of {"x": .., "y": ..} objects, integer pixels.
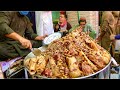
[{"x": 117, "y": 36}]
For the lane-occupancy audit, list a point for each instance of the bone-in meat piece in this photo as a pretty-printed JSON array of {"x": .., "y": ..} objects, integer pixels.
[
  {"x": 41, "y": 63},
  {"x": 73, "y": 67},
  {"x": 87, "y": 70}
]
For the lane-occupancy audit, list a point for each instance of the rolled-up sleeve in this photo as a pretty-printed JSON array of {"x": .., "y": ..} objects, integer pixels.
[{"x": 4, "y": 24}]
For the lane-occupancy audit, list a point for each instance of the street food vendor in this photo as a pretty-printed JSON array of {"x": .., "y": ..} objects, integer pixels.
[{"x": 16, "y": 35}]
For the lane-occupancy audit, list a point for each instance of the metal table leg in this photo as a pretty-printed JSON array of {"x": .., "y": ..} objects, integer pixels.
[
  {"x": 26, "y": 74},
  {"x": 119, "y": 73}
]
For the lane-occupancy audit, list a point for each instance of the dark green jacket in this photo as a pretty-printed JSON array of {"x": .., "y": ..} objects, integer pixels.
[{"x": 14, "y": 22}]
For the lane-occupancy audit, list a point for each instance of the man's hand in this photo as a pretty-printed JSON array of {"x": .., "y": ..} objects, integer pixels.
[
  {"x": 112, "y": 37},
  {"x": 112, "y": 26},
  {"x": 25, "y": 43},
  {"x": 41, "y": 37}
]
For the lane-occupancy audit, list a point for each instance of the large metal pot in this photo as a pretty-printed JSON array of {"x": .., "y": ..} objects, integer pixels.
[{"x": 102, "y": 74}]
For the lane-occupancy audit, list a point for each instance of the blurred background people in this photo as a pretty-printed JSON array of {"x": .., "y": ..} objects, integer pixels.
[
  {"x": 44, "y": 24},
  {"x": 106, "y": 29},
  {"x": 63, "y": 26},
  {"x": 87, "y": 27},
  {"x": 109, "y": 25}
]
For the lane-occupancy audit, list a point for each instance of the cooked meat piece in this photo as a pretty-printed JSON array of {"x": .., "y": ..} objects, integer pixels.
[
  {"x": 97, "y": 61},
  {"x": 40, "y": 66},
  {"x": 73, "y": 67},
  {"x": 87, "y": 70}
]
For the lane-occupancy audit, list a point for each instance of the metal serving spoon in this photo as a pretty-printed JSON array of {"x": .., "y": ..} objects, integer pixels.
[{"x": 36, "y": 51}]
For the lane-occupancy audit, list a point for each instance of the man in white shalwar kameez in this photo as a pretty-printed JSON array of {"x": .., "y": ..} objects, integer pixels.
[{"x": 44, "y": 24}]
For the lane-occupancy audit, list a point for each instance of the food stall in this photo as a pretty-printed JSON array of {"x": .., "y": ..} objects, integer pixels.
[{"x": 75, "y": 56}]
